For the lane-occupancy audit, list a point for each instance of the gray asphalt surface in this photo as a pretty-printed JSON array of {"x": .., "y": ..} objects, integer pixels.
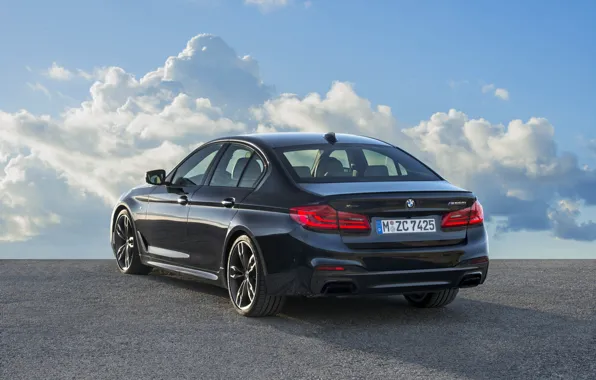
[{"x": 84, "y": 320}]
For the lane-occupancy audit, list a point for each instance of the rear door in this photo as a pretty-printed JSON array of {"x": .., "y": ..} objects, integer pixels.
[{"x": 214, "y": 205}]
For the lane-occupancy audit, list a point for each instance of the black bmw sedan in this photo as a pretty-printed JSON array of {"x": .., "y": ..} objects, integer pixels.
[{"x": 268, "y": 216}]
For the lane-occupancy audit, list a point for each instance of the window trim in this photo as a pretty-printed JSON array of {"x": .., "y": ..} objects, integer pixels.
[{"x": 170, "y": 176}]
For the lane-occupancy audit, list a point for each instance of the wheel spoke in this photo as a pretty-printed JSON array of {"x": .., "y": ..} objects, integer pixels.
[
  {"x": 235, "y": 272},
  {"x": 252, "y": 264},
  {"x": 240, "y": 293},
  {"x": 127, "y": 256},
  {"x": 120, "y": 251},
  {"x": 242, "y": 255},
  {"x": 250, "y": 290},
  {"x": 126, "y": 228},
  {"x": 119, "y": 231}
]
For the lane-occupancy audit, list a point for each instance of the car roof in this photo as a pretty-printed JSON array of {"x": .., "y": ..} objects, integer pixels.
[{"x": 288, "y": 139}]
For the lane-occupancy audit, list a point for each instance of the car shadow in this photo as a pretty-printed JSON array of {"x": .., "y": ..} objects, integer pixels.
[{"x": 470, "y": 338}]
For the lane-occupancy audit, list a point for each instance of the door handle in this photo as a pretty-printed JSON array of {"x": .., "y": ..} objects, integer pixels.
[
  {"x": 228, "y": 202},
  {"x": 183, "y": 200}
]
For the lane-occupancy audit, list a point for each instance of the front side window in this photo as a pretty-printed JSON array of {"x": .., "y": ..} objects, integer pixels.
[
  {"x": 192, "y": 171},
  {"x": 353, "y": 163}
]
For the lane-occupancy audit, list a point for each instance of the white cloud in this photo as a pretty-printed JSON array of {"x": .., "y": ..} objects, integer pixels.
[
  {"x": 267, "y": 5},
  {"x": 58, "y": 72},
  {"x": 500, "y": 93},
  {"x": 38, "y": 87},
  {"x": 101, "y": 147},
  {"x": 487, "y": 88}
]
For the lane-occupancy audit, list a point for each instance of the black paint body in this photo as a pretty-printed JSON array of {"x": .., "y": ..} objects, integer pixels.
[{"x": 200, "y": 232}]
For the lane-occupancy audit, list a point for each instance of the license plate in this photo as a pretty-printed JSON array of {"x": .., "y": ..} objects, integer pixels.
[{"x": 402, "y": 226}]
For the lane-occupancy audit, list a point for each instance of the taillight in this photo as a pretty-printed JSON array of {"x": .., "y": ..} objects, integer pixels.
[
  {"x": 467, "y": 217},
  {"x": 326, "y": 218}
]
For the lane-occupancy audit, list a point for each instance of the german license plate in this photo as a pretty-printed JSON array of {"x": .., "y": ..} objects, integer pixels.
[{"x": 401, "y": 226}]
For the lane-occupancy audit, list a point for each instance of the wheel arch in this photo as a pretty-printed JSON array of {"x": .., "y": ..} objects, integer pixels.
[
  {"x": 117, "y": 209},
  {"x": 233, "y": 234}
]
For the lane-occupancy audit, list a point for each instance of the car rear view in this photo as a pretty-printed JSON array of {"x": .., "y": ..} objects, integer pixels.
[{"x": 385, "y": 223}]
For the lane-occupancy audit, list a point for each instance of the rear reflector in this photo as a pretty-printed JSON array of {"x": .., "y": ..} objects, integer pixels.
[
  {"x": 467, "y": 217},
  {"x": 326, "y": 218},
  {"x": 330, "y": 268},
  {"x": 479, "y": 260}
]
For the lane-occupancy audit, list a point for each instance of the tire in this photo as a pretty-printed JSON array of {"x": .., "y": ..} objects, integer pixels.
[
  {"x": 124, "y": 237},
  {"x": 432, "y": 300},
  {"x": 244, "y": 266}
]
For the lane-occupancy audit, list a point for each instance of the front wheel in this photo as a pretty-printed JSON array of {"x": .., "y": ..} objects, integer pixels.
[
  {"x": 125, "y": 246},
  {"x": 246, "y": 282},
  {"x": 432, "y": 300}
]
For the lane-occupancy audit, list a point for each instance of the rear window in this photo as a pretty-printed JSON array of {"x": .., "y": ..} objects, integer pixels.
[{"x": 353, "y": 163}]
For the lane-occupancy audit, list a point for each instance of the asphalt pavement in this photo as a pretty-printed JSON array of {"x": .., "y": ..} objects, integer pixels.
[{"x": 85, "y": 320}]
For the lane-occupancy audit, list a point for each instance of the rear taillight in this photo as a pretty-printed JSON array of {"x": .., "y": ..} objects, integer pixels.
[
  {"x": 326, "y": 218},
  {"x": 467, "y": 217}
]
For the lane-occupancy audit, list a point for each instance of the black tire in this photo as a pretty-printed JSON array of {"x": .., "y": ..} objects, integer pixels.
[
  {"x": 237, "y": 270},
  {"x": 432, "y": 300},
  {"x": 124, "y": 237}
]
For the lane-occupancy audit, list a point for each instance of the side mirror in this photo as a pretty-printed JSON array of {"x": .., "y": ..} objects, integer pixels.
[{"x": 155, "y": 177}]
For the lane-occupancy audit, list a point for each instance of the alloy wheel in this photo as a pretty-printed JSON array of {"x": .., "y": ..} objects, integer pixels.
[
  {"x": 125, "y": 241},
  {"x": 242, "y": 273}
]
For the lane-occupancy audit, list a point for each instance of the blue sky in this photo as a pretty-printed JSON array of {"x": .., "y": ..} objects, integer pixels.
[{"x": 416, "y": 57}]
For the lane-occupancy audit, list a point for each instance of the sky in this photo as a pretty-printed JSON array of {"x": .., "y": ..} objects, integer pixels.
[{"x": 497, "y": 96}]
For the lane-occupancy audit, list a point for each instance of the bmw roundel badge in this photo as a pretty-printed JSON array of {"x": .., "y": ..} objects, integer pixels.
[{"x": 410, "y": 203}]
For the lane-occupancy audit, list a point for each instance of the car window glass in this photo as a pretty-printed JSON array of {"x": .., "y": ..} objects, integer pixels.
[
  {"x": 230, "y": 167},
  {"x": 302, "y": 161},
  {"x": 342, "y": 156},
  {"x": 193, "y": 170},
  {"x": 371, "y": 163},
  {"x": 252, "y": 172},
  {"x": 378, "y": 162}
]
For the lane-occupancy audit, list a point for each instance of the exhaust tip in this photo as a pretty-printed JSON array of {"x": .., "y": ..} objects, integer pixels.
[
  {"x": 339, "y": 288},
  {"x": 470, "y": 280}
]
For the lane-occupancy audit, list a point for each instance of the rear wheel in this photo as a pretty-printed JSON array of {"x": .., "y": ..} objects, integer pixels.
[
  {"x": 246, "y": 282},
  {"x": 125, "y": 246},
  {"x": 431, "y": 300}
]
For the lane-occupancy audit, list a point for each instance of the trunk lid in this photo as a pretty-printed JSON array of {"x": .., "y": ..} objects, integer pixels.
[{"x": 394, "y": 225}]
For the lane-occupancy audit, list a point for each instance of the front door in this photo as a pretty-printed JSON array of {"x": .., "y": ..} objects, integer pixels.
[
  {"x": 215, "y": 204},
  {"x": 167, "y": 213}
]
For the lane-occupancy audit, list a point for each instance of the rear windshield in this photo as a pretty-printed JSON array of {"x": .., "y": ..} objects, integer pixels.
[{"x": 353, "y": 163}]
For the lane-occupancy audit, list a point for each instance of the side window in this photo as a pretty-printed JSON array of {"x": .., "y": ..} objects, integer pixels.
[
  {"x": 192, "y": 171},
  {"x": 253, "y": 172},
  {"x": 379, "y": 165},
  {"x": 231, "y": 166}
]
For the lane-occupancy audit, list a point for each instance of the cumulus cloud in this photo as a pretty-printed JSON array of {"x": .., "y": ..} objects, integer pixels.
[
  {"x": 101, "y": 147},
  {"x": 58, "y": 72}
]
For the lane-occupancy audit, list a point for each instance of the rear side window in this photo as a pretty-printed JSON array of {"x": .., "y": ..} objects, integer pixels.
[{"x": 353, "y": 163}]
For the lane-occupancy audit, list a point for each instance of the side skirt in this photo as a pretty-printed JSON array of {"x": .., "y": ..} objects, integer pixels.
[{"x": 179, "y": 269}]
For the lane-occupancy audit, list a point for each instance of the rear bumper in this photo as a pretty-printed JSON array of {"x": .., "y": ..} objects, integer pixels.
[
  {"x": 396, "y": 282},
  {"x": 358, "y": 281}
]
